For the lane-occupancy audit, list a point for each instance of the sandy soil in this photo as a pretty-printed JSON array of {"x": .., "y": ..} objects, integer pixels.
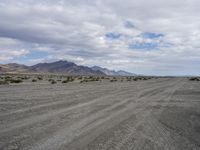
[{"x": 158, "y": 114}]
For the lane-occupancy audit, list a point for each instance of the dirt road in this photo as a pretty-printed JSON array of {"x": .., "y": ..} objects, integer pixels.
[{"x": 158, "y": 114}]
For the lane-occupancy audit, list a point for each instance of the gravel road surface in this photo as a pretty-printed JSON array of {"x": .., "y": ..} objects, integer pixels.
[{"x": 157, "y": 114}]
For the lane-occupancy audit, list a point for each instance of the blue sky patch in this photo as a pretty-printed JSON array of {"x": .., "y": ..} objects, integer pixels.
[
  {"x": 26, "y": 58},
  {"x": 32, "y": 55},
  {"x": 144, "y": 46},
  {"x": 150, "y": 35},
  {"x": 36, "y": 55},
  {"x": 113, "y": 35}
]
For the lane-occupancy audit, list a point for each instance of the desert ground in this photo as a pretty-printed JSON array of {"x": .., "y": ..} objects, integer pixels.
[{"x": 105, "y": 114}]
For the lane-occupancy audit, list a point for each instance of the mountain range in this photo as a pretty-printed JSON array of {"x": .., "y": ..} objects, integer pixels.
[{"x": 61, "y": 67}]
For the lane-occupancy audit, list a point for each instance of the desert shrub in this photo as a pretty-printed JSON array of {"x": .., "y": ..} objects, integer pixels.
[
  {"x": 138, "y": 78},
  {"x": 39, "y": 78},
  {"x": 53, "y": 82},
  {"x": 3, "y": 82},
  {"x": 85, "y": 80},
  {"x": 69, "y": 79},
  {"x": 194, "y": 79},
  {"x": 50, "y": 80},
  {"x": 94, "y": 79},
  {"x": 80, "y": 78},
  {"x": 128, "y": 78},
  {"x": 90, "y": 77},
  {"x": 24, "y": 78},
  {"x": 65, "y": 81},
  {"x": 8, "y": 77},
  {"x": 34, "y": 80},
  {"x": 15, "y": 81},
  {"x": 113, "y": 80}
]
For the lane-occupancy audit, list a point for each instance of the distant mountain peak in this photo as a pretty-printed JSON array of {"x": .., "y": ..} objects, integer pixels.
[
  {"x": 65, "y": 67},
  {"x": 61, "y": 67},
  {"x": 112, "y": 72}
]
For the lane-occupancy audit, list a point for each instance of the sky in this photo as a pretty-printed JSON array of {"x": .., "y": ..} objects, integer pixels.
[{"x": 154, "y": 37}]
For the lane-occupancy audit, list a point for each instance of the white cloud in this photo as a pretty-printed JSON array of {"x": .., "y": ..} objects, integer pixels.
[
  {"x": 10, "y": 49},
  {"x": 75, "y": 30}
]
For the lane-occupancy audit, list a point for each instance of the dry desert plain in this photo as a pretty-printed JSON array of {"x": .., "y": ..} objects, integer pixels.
[{"x": 153, "y": 114}]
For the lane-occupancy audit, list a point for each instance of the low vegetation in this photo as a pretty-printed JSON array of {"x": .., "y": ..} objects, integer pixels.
[
  {"x": 11, "y": 80},
  {"x": 34, "y": 80},
  {"x": 194, "y": 79},
  {"x": 68, "y": 79},
  {"x": 54, "y": 79},
  {"x": 90, "y": 79},
  {"x": 39, "y": 78},
  {"x": 114, "y": 79},
  {"x": 16, "y": 81},
  {"x": 3, "y": 82},
  {"x": 53, "y": 82}
]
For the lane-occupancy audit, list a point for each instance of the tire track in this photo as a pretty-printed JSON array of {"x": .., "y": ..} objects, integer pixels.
[
  {"x": 116, "y": 145},
  {"x": 85, "y": 125}
]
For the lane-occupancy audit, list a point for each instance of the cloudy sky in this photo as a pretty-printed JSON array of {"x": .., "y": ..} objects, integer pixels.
[{"x": 159, "y": 37}]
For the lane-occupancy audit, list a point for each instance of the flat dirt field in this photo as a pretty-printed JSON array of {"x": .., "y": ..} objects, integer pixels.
[{"x": 157, "y": 114}]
